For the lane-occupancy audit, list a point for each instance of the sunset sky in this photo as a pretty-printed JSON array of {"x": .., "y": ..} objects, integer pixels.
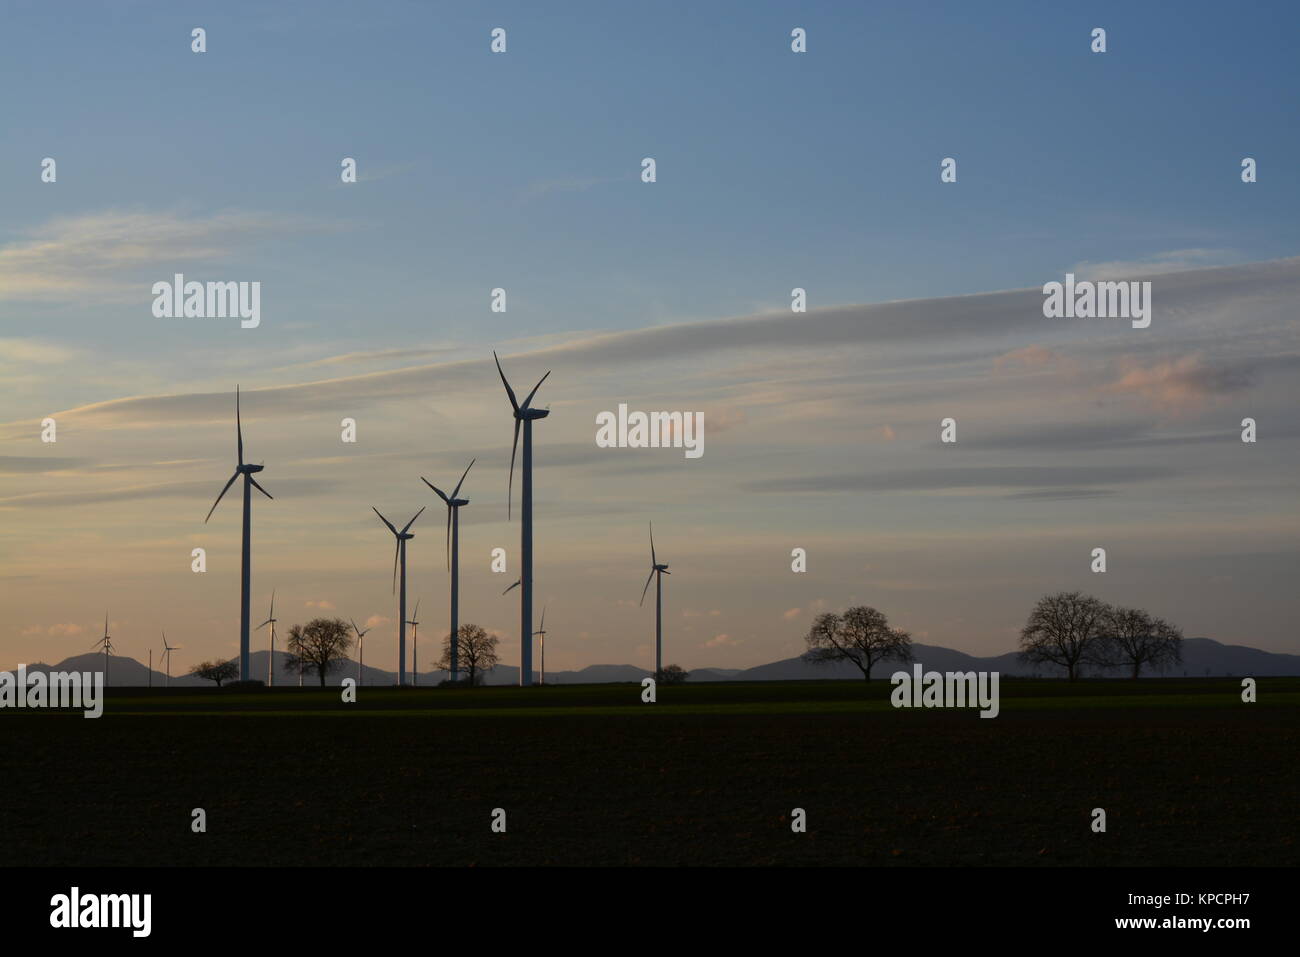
[{"x": 522, "y": 171}]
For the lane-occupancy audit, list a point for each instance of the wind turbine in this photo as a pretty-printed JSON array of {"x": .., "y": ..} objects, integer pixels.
[
  {"x": 361, "y": 649},
  {"x": 526, "y": 415},
  {"x": 660, "y": 570},
  {"x": 107, "y": 644},
  {"x": 453, "y": 557},
  {"x": 415, "y": 644},
  {"x": 541, "y": 633},
  {"x": 167, "y": 658},
  {"x": 246, "y": 470},
  {"x": 400, "y": 555},
  {"x": 270, "y": 620}
]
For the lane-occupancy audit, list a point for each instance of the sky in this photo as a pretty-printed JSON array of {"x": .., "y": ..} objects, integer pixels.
[{"x": 774, "y": 170}]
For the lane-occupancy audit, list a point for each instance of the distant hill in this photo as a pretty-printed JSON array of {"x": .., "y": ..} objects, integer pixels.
[{"x": 1202, "y": 657}]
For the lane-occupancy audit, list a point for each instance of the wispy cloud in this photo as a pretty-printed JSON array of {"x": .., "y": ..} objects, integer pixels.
[
  {"x": 1178, "y": 385},
  {"x": 1175, "y": 260},
  {"x": 967, "y": 478},
  {"x": 68, "y": 257}
]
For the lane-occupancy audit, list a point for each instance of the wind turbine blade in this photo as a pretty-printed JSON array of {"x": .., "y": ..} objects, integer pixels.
[
  {"x": 652, "y": 544},
  {"x": 510, "y": 487},
  {"x": 462, "y": 477},
  {"x": 105, "y": 624},
  {"x": 260, "y": 489},
  {"x": 391, "y": 527},
  {"x": 441, "y": 494},
  {"x": 397, "y": 550},
  {"x": 647, "y": 587},
  {"x": 448, "y": 538},
  {"x": 413, "y": 518},
  {"x": 542, "y": 624},
  {"x": 416, "y": 614},
  {"x": 511, "y": 588},
  {"x": 514, "y": 403},
  {"x": 239, "y": 428},
  {"x": 272, "y": 615},
  {"x": 354, "y": 626},
  {"x": 215, "y": 504},
  {"x": 535, "y": 388},
  {"x": 262, "y": 625}
]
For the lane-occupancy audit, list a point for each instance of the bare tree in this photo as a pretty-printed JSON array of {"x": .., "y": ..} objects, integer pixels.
[
  {"x": 477, "y": 650},
  {"x": 1135, "y": 638},
  {"x": 861, "y": 635},
  {"x": 1065, "y": 629},
  {"x": 217, "y": 671},
  {"x": 321, "y": 644},
  {"x": 672, "y": 675}
]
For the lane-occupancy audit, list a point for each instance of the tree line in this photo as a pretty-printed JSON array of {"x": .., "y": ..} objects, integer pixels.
[
  {"x": 323, "y": 644},
  {"x": 1069, "y": 629}
]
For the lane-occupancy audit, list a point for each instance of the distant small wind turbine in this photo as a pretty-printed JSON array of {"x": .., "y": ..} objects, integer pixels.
[
  {"x": 270, "y": 620},
  {"x": 415, "y": 644},
  {"x": 107, "y": 644},
  {"x": 167, "y": 658},
  {"x": 527, "y": 415},
  {"x": 399, "y": 556},
  {"x": 541, "y": 633},
  {"x": 246, "y": 470},
  {"x": 453, "y": 557},
  {"x": 361, "y": 649},
  {"x": 660, "y": 571}
]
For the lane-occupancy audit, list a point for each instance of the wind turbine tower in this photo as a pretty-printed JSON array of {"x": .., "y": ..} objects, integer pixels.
[
  {"x": 399, "y": 557},
  {"x": 657, "y": 571},
  {"x": 525, "y": 415},
  {"x": 541, "y": 634},
  {"x": 107, "y": 644},
  {"x": 415, "y": 644},
  {"x": 361, "y": 649},
  {"x": 453, "y": 558},
  {"x": 167, "y": 658},
  {"x": 246, "y": 470},
  {"x": 270, "y": 620}
]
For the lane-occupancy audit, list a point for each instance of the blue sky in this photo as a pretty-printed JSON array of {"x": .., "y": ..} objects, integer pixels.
[{"x": 521, "y": 170}]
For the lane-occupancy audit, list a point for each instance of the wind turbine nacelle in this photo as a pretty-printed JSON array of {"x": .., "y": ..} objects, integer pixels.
[
  {"x": 458, "y": 502},
  {"x": 533, "y": 413},
  {"x": 250, "y": 469}
]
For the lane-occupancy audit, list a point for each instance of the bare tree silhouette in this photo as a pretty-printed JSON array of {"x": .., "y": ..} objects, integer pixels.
[
  {"x": 861, "y": 635},
  {"x": 1134, "y": 638},
  {"x": 1065, "y": 629},
  {"x": 477, "y": 652}
]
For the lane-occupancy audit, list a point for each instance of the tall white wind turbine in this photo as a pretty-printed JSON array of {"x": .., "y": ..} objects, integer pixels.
[
  {"x": 657, "y": 571},
  {"x": 453, "y": 558},
  {"x": 107, "y": 644},
  {"x": 361, "y": 649},
  {"x": 247, "y": 470},
  {"x": 524, "y": 414},
  {"x": 541, "y": 636},
  {"x": 399, "y": 557},
  {"x": 270, "y": 620},
  {"x": 167, "y": 658},
  {"x": 415, "y": 644}
]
